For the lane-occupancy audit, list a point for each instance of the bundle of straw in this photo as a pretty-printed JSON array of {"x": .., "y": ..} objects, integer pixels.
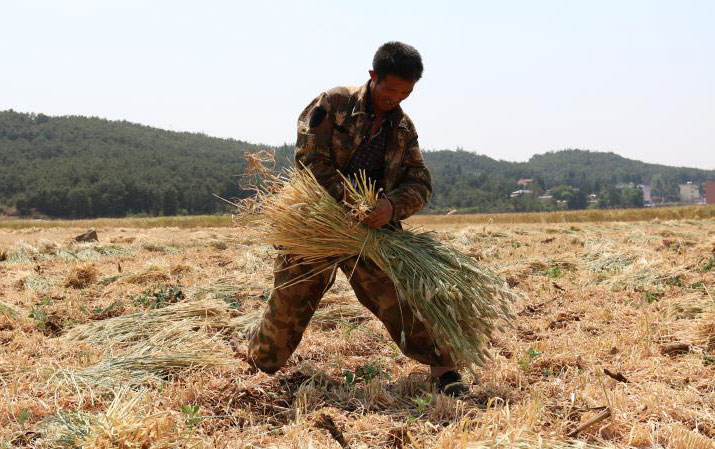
[{"x": 458, "y": 300}]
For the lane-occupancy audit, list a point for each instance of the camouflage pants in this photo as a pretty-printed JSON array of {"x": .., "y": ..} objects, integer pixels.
[{"x": 290, "y": 309}]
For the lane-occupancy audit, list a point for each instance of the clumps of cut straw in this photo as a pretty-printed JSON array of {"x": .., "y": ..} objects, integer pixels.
[
  {"x": 626, "y": 269},
  {"x": 129, "y": 329},
  {"x": 160, "y": 360},
  {"x": 157, "y": 248},
  {"x": 9, "y": 311},
  {"x": 602, "y": 256},
  {"x": 146, "y": 348},
  {"x": 506, "y": 442},
  {"x": 24, "y": 252},
  {"x": 82, "y": 277},
  {"x": 130, "y": 421},
  {"x": 552, "y": 265},
  {"x": 459, "y": 301},
  {"x": 640, "y": 276},
  {"x": 152, "y": 274},
  {"x": 228, "y": 290},
  {"x": 171, "y": 351},
  {"x": 690, "y": 306},
  {"x": 705, "y": 333}
]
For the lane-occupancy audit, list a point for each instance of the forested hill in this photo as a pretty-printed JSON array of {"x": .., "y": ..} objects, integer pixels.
[
  {"x": 479, "y": 183},
  {"x": 88, "y": 167}
]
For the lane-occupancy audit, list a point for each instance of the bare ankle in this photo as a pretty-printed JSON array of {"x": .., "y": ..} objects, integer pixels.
[{"x": 437, "y": 371}]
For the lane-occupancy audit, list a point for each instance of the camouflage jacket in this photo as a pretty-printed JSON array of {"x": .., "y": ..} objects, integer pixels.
[{"x": 332, "y": 127}]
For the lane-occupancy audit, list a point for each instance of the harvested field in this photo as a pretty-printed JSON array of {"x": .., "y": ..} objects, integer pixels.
[
  {"x": 691, "y": 212},
  {"x": 138, "y": 340}
]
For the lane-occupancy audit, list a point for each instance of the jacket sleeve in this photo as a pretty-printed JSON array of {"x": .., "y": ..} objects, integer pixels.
[
  {"x": 414, "y": 188},
  {"x": 314, "y": 143}
]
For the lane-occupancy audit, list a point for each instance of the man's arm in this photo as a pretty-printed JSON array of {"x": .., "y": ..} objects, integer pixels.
[
  {"x": 313, "y": 146},
  {"x": 415, "y": 187}
]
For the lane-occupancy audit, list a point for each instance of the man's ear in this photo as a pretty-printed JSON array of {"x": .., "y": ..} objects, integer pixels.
[{"x": 373, "y": 75}]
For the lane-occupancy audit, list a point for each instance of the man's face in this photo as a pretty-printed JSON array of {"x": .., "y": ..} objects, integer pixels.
[{"x": 388, "y": 92}]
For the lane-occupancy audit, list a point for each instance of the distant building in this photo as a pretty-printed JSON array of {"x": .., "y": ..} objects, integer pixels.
[
  {"x": 593, "y": 198},
  {"x": 624, "y": 185},
  {"x": 710, "y": 192},
  {"x": 645, "y": 188},
  {"x": 520, "y": 192},
  {"x": 524, "y": 182},
  {"x": 689, "y": 193}
]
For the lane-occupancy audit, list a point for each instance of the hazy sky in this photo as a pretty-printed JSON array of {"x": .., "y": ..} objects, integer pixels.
[{"x": 503, "y": 78}]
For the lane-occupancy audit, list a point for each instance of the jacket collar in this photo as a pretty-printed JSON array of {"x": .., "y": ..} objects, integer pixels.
[{"x": 363, "y": 95}]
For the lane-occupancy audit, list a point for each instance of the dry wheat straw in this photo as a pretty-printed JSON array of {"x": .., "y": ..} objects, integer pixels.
[
  {"x": 149, "y": 362},
  {"x": 505, "y": 442},
  {"x": 459, "y": 300},
  {"x": 129, "y": 422},
  {"x": 127, "y": 329},
  {"x": 8, "y": 310},
  {"x": 147, "y": 348}
]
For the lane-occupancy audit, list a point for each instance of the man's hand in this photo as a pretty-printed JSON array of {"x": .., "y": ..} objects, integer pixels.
[{"x": 381, "y": 215}]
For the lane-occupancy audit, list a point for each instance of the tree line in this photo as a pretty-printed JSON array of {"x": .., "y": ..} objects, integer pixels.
[
  {"x": 77, "y": 167},
  {"x": 477, "y": 183},
  {"x": 88, "y": 167}
]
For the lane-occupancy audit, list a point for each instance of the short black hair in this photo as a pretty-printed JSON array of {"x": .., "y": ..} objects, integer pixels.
[{"x": 396, "y": 58}]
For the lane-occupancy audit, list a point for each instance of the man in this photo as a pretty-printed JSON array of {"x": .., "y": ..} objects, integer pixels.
[{"x": 347, "y": 130}]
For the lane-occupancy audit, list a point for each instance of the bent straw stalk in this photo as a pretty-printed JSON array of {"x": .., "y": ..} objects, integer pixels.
[{"x": 457, "y": 299}]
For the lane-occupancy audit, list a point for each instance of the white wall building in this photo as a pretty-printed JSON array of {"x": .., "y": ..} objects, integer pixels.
[
  {"x": 689, "y": 193},
  {"x": 645, "y": 188}
]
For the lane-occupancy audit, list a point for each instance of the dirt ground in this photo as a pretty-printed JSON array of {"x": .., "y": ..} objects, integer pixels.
[{"x": 615, "y": 319}]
